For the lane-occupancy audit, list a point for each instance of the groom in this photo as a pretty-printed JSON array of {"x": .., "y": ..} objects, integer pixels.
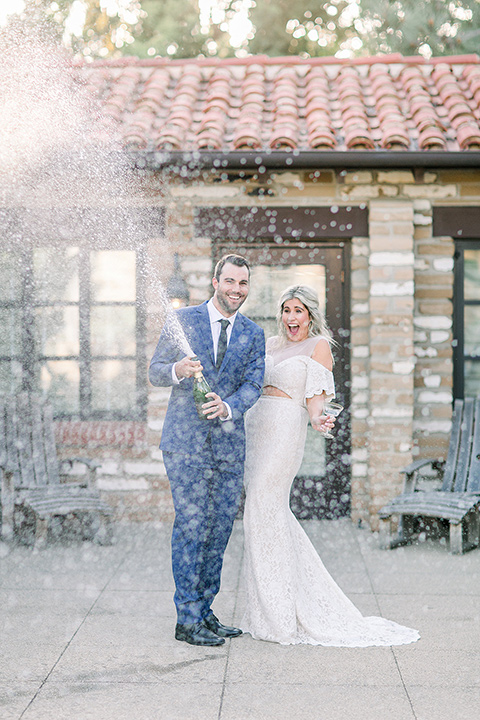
[{"x": 204, "y": 458}]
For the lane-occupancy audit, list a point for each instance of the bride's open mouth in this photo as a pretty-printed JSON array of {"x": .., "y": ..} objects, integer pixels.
[{"x": 293, "y": 329}]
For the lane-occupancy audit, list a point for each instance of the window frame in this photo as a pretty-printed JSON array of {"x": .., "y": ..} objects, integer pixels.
[
  {"x": 459, "y": 304},
  {"x": 27, "y": 306}
]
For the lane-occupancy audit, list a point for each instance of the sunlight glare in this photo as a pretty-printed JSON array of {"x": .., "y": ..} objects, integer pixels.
[
  {"x": 239, "y": 26},
  {"x": 9, "y": 7}
]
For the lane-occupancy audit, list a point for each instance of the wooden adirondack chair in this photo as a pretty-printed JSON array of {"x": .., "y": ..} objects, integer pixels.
[
  {"x": 30, "y": 474},
  {"x": 458, "y": 499}
]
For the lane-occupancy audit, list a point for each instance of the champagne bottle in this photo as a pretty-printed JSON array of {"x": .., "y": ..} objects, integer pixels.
[{"x": 200, "y": 389}]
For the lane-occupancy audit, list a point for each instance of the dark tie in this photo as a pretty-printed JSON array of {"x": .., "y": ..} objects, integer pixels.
[{"x": 222, "y": 342}]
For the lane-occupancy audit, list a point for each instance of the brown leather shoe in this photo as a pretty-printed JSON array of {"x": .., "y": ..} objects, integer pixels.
[
  {"x": 223, "y": 631},
  {"x": 197, "y": 634}
]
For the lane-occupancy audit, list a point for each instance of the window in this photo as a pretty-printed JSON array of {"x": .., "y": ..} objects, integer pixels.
[
  {"x": 72, "y": 322},
  {"x": 467, "y": 319}
]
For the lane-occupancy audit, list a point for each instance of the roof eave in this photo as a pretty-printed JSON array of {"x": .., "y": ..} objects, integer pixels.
[{"x": 306, "y": 159}]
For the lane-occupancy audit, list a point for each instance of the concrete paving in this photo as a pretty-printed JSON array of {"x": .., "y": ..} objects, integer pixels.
[{"x": 87, "y": 632}]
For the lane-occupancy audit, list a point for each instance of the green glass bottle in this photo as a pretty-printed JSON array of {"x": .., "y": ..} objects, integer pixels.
[{"x": 200, "y": 389}]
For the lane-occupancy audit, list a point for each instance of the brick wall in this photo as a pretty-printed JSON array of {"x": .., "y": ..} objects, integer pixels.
[
  {"x": 401, "y": 312},
  {"x": 433, "y": 335},
  {"x": 360, "y": 362}
]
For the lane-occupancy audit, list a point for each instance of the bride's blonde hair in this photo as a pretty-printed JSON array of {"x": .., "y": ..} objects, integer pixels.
[{"x": 309, "y": 298}]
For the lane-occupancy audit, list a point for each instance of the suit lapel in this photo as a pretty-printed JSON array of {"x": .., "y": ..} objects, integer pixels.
[{"x": 205, "y": 331}]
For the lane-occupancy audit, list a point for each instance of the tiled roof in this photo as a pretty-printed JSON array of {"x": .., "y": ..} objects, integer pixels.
[{"x": 382, "y": 103}]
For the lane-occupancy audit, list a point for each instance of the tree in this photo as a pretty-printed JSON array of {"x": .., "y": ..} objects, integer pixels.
[
  {"x": 176, "y": 28},
  {"x": 299, "y": 27},
  {"x": 108, "y": 27},
  {"x": 173, "y": 27},
  {"x": 101, "y": 28},
  {"x": 170, "y": 27},
  {"x": 429, "y": 27}
]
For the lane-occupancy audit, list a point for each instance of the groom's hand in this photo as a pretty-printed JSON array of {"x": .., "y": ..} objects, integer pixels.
[
  {"x": 186, "y": 367},
  {"x": 215, "y": 408}
]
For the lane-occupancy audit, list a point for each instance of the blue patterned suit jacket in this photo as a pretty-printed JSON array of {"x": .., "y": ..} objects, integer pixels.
[{"x": 238, "y": 382}]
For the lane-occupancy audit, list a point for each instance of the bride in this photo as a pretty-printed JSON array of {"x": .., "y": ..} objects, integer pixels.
[{"x": 291, "y": 598}]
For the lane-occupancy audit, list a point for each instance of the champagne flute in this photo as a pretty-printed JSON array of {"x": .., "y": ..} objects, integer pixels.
[{"x": 334, "y": 409}]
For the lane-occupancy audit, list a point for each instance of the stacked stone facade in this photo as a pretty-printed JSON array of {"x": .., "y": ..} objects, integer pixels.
[{"x": 401, "y": 321}]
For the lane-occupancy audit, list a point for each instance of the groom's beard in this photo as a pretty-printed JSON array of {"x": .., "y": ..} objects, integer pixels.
[{"x": 230, "y": 306}]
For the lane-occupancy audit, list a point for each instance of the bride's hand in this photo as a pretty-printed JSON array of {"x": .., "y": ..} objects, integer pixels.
[{"x": 323, "y": 423}]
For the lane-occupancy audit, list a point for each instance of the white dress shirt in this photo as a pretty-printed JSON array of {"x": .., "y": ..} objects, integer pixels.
[{"x": 216, "y": 327}]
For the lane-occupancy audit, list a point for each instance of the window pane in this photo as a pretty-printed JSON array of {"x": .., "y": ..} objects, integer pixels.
[
  {"x": 113, "y": 276},
  {"x": 10, "y": 377},
  {"x": 472, "y": 330},
  {"x": 10, "y": 331},
  {"x": 57, "y": 330},
  {"x": 112, "y": 330},
  {"x": 60, "y": 380},
  {"x": 56, "y": 274},
  {"x": 10, "y": 277},
  {"x": 472, "y": 378},
  {"x": 472, "y": 274},
  {"x": 114, "y": 385}
]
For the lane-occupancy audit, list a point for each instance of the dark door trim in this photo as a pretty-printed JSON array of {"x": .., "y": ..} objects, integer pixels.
[
  {"x": 456, "y": 222},
  {"x": 459, "y": 304},
  {"x": 281, "y": 223},
  {"x": 336, "y": 257},
  {"x": 458, "y": 322}
]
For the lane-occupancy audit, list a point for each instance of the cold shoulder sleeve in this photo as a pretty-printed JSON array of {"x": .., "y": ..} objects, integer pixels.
[{"x": 319, "y": 380}]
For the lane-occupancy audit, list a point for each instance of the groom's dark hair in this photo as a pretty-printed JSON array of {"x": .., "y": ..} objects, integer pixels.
[{"x": 237, "y": 260}]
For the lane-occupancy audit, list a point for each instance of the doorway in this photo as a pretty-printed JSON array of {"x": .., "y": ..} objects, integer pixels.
[
  {"x": 322, "y": 487},
  {"x": 466, "y": 320}
]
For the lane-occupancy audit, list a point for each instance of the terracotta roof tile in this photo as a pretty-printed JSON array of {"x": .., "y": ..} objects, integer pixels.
[
  {"x": 216, "y": 109},
  {"x": 320, "y": 134},
  {"x": 248, "y": 128},
  {"x": 382, "y": 103}
]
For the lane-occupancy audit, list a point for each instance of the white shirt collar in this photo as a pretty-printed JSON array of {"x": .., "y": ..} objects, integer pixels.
[{"x": 215, "y": 315}]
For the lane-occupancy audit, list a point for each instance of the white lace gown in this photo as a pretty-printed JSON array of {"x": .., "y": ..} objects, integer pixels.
[{"x": 291, "y": 598}]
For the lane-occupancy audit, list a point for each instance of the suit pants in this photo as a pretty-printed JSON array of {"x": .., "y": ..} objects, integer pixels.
[{"x": 206, "y": 494}]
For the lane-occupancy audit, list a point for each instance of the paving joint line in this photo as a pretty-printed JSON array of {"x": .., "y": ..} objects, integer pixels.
[
  {"x": 404, "y": 685},
  {"x": 372, "y": 589},
  {"x": 381, "y": 613},
  {"x": 87, "y": 614},
  {"x": 222, "y": 695}
]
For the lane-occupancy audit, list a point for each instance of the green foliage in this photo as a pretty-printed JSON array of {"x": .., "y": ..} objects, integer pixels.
[
  {"x": 106, "y": 29},
  {"x": 169, "y": 27},
  {"x": 300, "y": 27},
  {"x": 307, "y": 28},
  {"x": 105, "y": 34},
  {"x": 437, "y": 27},
  {"x": 172, "y": 27}
]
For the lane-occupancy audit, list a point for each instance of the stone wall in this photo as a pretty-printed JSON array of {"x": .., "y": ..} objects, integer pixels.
[{"x": 401, "y": 313}]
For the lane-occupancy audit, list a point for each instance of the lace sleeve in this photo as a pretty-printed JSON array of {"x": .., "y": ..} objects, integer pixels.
[{"x": 319, "y": 380}]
